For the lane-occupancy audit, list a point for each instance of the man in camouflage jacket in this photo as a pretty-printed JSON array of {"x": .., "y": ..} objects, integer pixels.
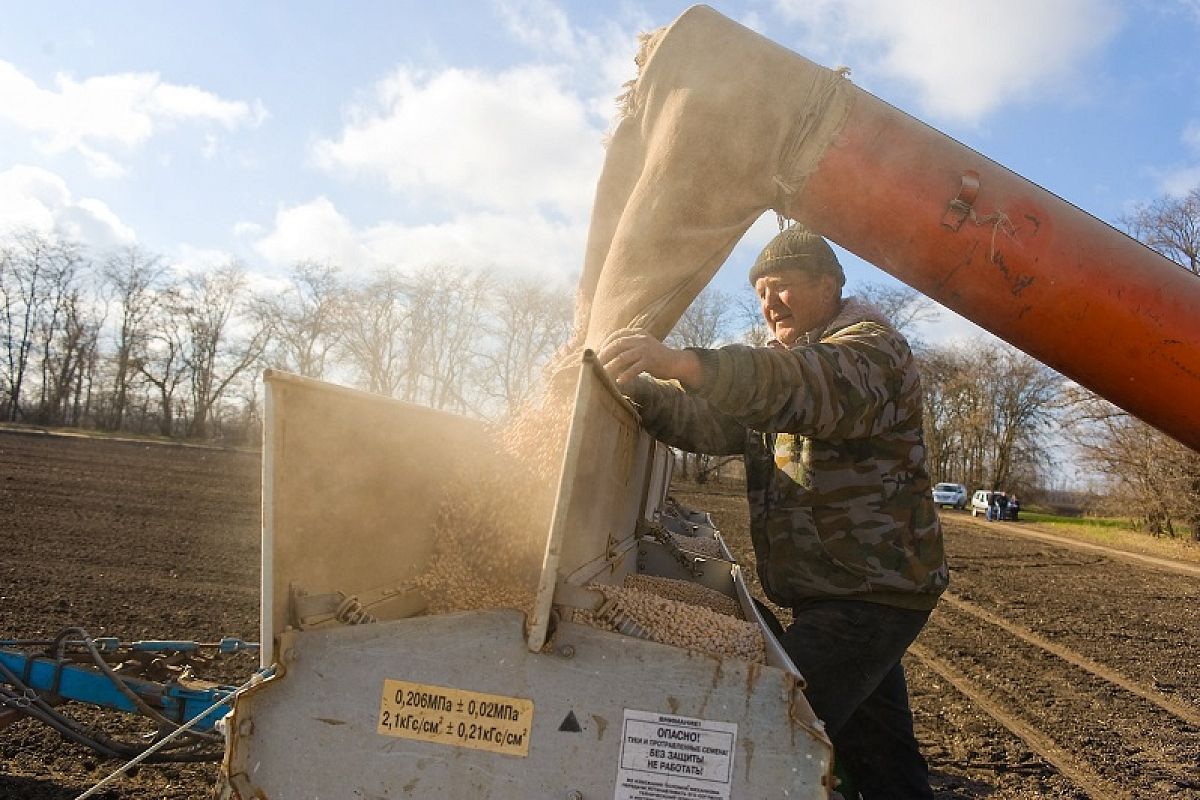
[{"x": 845, "y": 532}]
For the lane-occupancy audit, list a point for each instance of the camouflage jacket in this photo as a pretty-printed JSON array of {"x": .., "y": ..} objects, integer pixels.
[{"x": 830, "y": 432}]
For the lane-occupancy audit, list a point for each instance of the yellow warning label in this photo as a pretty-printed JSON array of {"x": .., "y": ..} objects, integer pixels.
[{"x": 454, "y": 716}]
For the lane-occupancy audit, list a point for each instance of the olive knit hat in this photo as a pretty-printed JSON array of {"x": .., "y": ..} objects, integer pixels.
[{"x": 797, "y": 248}]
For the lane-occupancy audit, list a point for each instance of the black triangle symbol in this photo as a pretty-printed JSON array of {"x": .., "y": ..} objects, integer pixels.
[{"x": 569, "y": 723}]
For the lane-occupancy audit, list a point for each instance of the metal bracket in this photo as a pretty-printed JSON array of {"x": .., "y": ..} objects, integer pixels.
[
  {"x": 962, "y": 206},
  {"x": 238, "y": 787},
  {"x": 607, "y": 610},
  {"x": 693, "y": 564},
  {"x": 337, "y": 608},
  {"x": 581, "y": 597}
]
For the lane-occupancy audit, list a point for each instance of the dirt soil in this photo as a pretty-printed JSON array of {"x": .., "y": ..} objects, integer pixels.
[{"x": 1048, "y": 671}]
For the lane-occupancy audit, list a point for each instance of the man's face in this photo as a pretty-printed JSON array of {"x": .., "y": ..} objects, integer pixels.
[{"x": 794, "y": 302}]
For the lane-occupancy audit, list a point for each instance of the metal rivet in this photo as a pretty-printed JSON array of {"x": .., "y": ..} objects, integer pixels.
[{"x": 567, "y": 651}]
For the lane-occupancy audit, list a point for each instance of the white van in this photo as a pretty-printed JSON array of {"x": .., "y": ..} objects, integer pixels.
[
  {"x": 981, "y": 500},
  {"x": 950, "y": 494}
]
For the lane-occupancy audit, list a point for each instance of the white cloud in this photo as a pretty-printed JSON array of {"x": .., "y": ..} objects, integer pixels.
[
  {"x": 314, "y": 230},
  {"x": 99, "y": 115},
  {"x": 31, "y": 197},
  {"x": 540, "y": 24},
  {"x": 1191, "y": 134},
  {"x": 1181, "y": 179},
  {"x": 507, "y": 244},
  {"x": 963, "y": 60},
  {"x": 600, "y": 60},
  {"x": 754, "y": 21},
  {"x": 191, "y": 260},
  {"x": 516, "y": 243},
  {"x": 951, "y": 328},
  {"x": 248, "y": 229},
  {"x": 514, "y": 140}
]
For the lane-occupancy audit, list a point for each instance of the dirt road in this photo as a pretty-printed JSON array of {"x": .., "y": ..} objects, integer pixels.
[{"x": 1049, "y": 670}]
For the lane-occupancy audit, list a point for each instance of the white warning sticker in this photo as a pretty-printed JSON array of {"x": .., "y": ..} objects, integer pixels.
[{"x": 664, "y": 757}]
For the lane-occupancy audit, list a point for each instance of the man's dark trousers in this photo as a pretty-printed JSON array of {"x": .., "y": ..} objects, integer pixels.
[{"x": 849, "y": 653}]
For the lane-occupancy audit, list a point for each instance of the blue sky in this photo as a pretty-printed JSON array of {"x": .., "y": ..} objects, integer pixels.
[{"x": 412, "y": 133}]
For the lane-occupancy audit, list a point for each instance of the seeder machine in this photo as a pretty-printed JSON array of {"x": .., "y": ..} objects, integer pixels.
[{"x": 368, "y": 688}]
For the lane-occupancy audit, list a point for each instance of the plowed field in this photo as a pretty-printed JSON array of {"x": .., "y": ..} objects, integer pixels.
[{"x": 1050, "y": 670}]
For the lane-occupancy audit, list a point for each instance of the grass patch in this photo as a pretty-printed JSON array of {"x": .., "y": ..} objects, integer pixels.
[
  {"x": 1085, "y": 522},
  {"x": 1116, "y": 533}
]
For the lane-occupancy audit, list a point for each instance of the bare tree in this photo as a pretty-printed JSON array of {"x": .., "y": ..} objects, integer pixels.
[
  {"x": 131, "y": 275},
  {"x": 35, "y": 270},
  {"x": 371, "y": 332},
  {"x": 1150, "y": 476},
  {"x": 161, "y": 355},
  {"x": 62, "y": 328},
  {"x": 418, "y": 337},
  {"x": 902, "y": 306},
  {"x": 1026, "y": 393},
  {"x": 953, "y": 415},
  {"x": 705, "y": 322},
  {"x": 748, "y": 317},
  {"x": 304, "y": 318},
  {"x": 988, "y": 414},
  {"x": 447, "y": 307},
  {"x": 81, "y": 410},
  {"x": 68, "y": 339},
  {"x": 220, "y": 345},
  {"x": 1171, "y": 226},
  {"x": 527, "y": 323}
]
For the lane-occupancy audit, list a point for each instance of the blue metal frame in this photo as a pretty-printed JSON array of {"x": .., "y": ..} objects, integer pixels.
[{"x": 86, "y": 684}]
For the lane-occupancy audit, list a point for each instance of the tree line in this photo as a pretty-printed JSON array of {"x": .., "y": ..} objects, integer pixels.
[{"x": 121, "y": 341}]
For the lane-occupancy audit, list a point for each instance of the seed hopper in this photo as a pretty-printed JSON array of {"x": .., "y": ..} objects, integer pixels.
[{"x": 496, "y": 702}]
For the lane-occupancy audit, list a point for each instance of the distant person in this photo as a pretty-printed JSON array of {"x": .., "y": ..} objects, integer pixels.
[
  {"x": 1001, "y": 506},
  {"x": 993, "y": 507},
  {"x": 827, "y": 419},
  {"x": 1014, "y": 508}
]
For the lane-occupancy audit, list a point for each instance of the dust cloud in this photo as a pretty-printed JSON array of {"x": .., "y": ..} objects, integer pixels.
[{"x": 490, "y": 532}]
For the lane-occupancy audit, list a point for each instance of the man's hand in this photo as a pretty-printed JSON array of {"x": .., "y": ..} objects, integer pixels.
[{"x": 628, "y": 353}]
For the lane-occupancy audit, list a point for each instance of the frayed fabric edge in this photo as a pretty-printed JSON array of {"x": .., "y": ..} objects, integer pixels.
[{"x": 821, "y": 118}]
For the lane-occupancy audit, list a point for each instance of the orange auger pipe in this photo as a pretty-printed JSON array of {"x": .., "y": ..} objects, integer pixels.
[
  {"x": 1071, "y": 291},
  {"x": 722, "y": 124}
]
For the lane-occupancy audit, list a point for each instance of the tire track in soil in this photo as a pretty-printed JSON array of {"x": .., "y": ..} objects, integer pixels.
[
  {"x": 1062, "y": 715},
  {"x": 1114, "y": 703},
  {"x": 1016, "y": 529},
  {"x": 1183, "y": 711},
  {"x": 1136, "y": 620},
  {"x": 1076, "y": 771}
]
